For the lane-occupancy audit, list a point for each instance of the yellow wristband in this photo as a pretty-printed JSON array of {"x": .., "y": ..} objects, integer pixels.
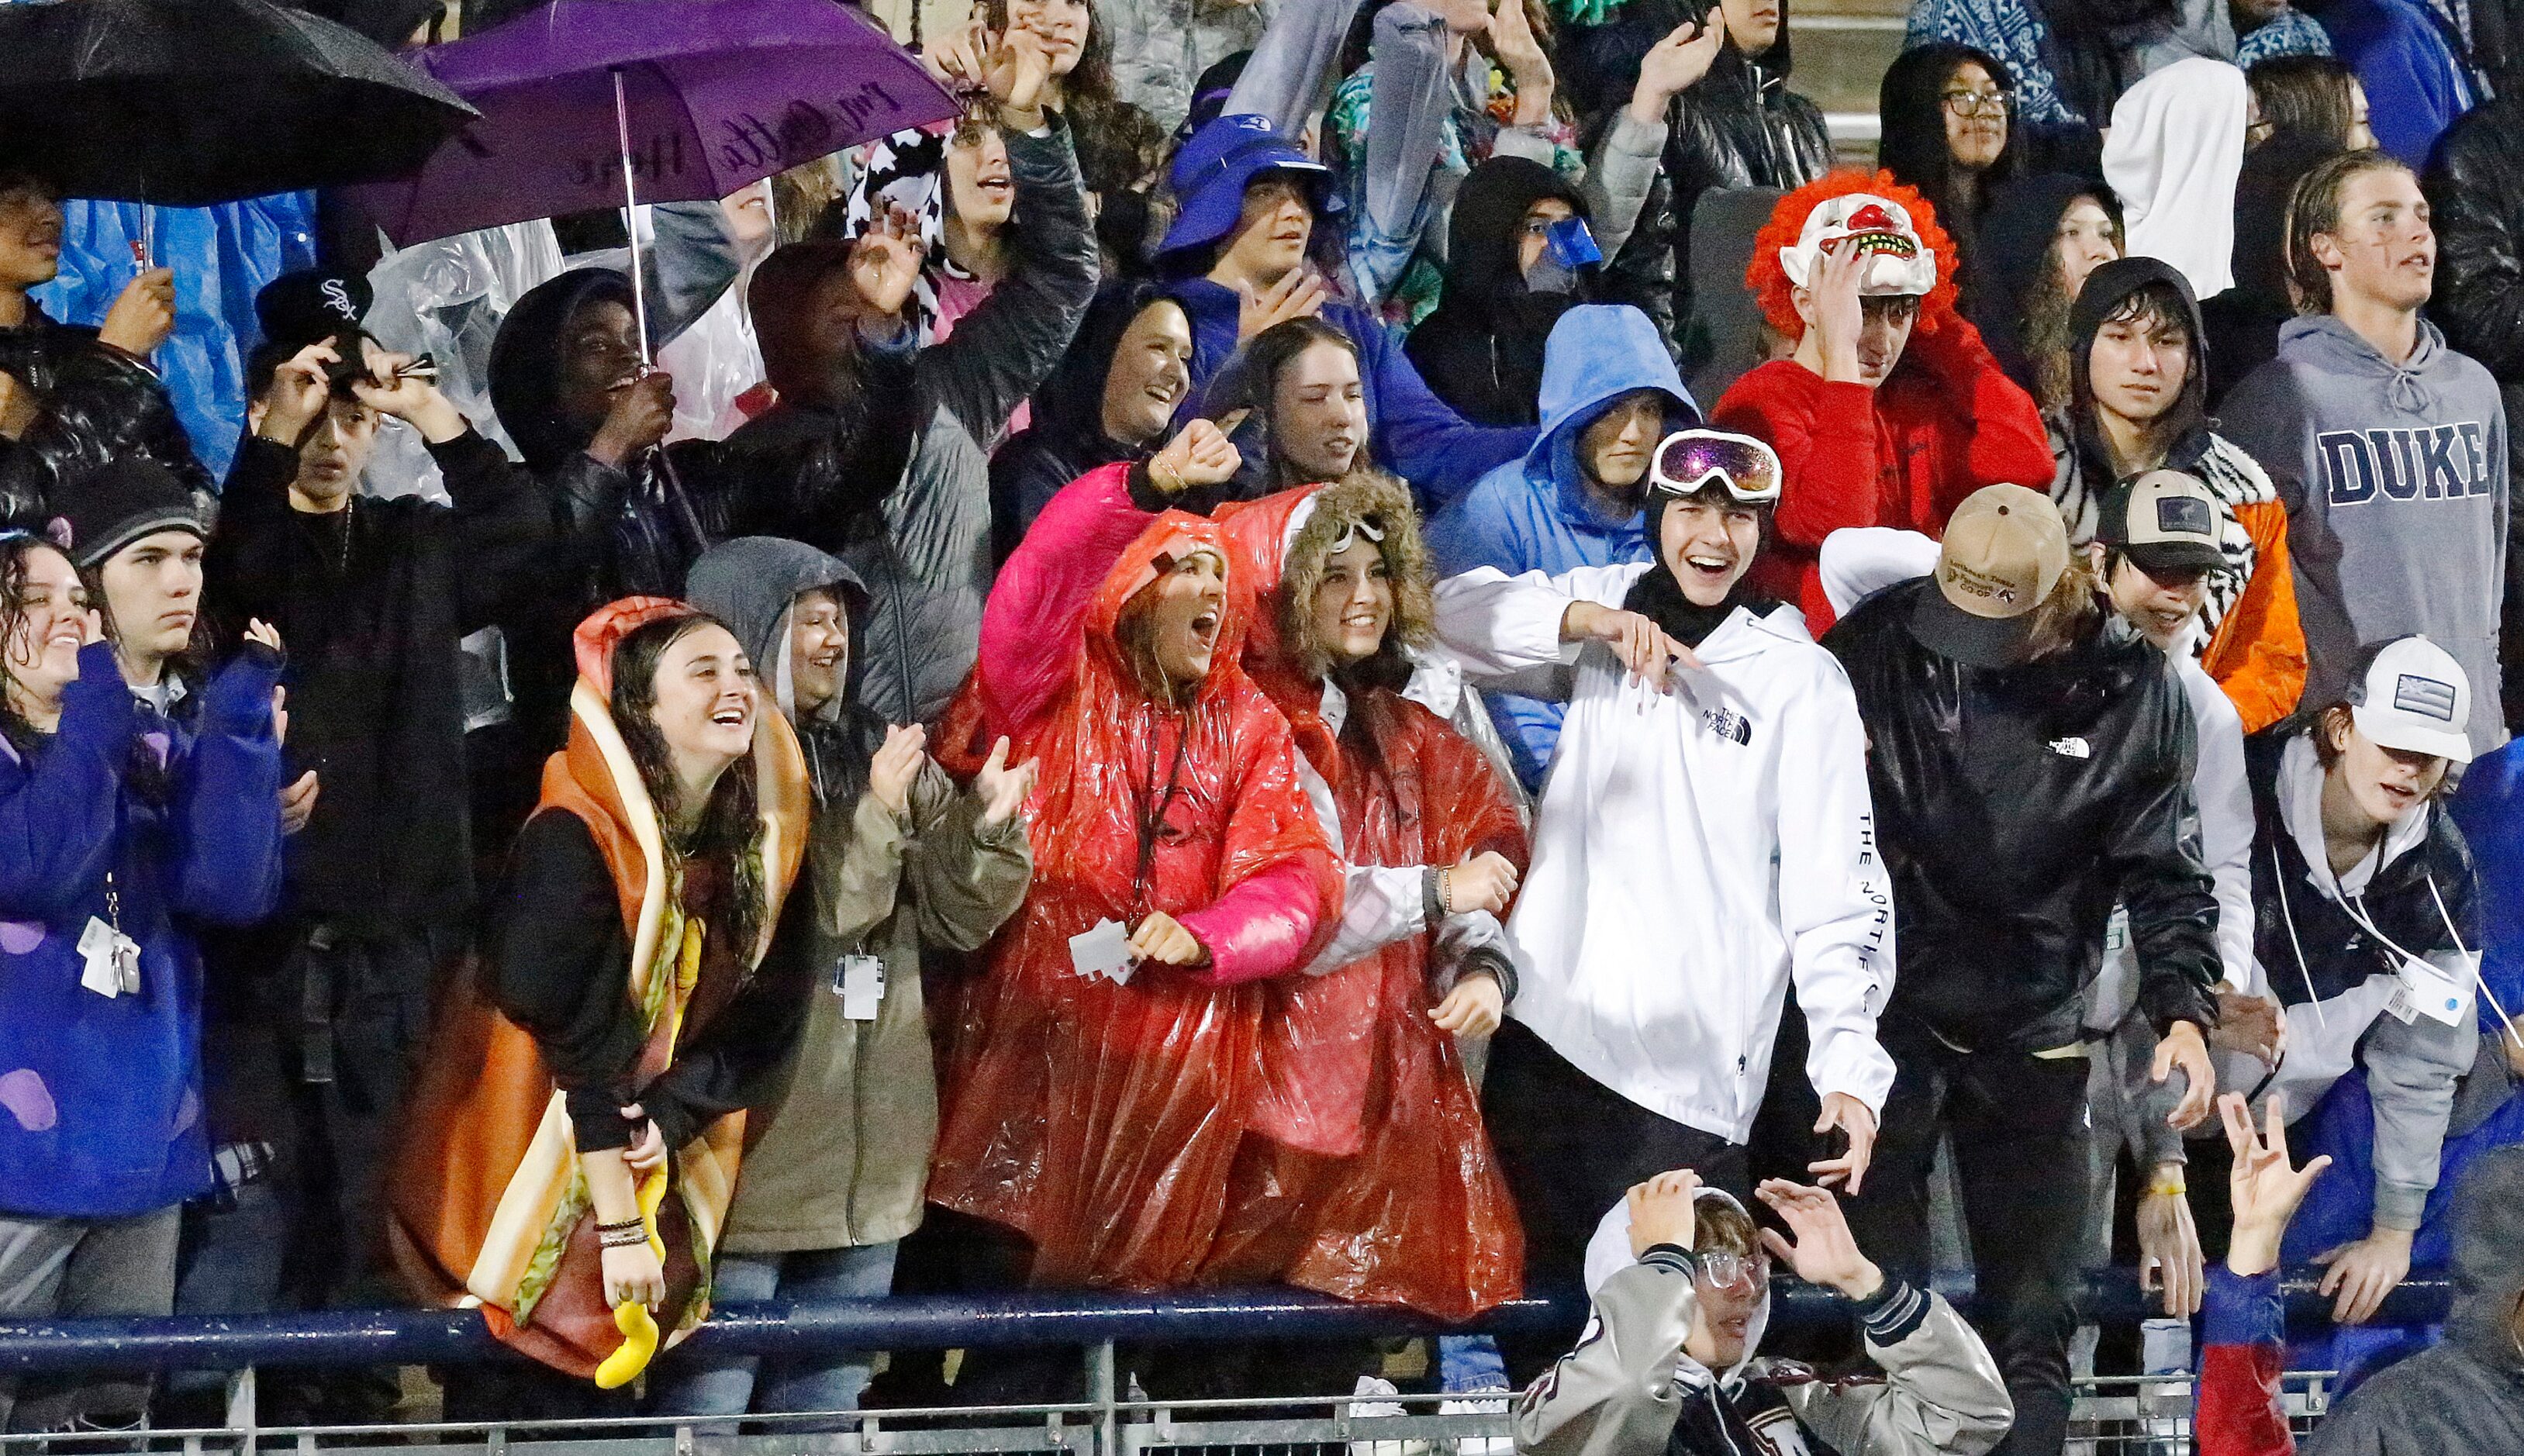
[{"x": 2167, "y": 1186}]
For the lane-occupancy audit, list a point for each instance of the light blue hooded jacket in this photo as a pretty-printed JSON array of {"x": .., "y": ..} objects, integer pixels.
[{"x": 1533, "y": 514}]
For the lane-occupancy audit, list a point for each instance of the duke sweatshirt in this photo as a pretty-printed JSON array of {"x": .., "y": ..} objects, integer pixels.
[{"x": 2395, "y": 481}]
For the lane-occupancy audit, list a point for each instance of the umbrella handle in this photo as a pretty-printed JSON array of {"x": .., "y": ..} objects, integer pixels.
[{"x": 630, "y": 219}]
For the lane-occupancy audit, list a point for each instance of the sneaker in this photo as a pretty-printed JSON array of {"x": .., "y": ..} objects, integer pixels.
[{"x": 1370, "y": 1386}]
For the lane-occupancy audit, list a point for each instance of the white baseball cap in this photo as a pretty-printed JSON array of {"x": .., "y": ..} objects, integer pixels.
[{"x": 2410, "y": 694}]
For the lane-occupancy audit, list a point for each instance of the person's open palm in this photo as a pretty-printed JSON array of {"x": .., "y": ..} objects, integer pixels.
[
  {"x": 1824, "y": 1252},
  {"x": 885, "y": 262},
  {"x": 1676, "y": 64},
  {"x": 1003, "y": 788},
  {"x": 2263, "y": 1186},
  {"x": 896, "y": 764}
]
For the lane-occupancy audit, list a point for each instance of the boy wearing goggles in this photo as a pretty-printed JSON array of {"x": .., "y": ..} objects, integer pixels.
[
  {"x": 1680, "y": 1283},
  {"x": 1704, "y": 838}
]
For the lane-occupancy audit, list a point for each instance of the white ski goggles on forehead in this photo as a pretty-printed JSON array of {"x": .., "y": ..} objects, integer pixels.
[{"x": 1688, "y": 461}]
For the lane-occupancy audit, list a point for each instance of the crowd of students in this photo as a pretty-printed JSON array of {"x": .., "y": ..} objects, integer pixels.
[{"x": 1171, "y": 688}]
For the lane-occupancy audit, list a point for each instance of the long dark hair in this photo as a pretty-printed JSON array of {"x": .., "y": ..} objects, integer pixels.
[
  {"x": 730, "y": 826},
  {"x": 16, "y": 546},
  {"x": 1912, "y": 107},
  {"x": 1272, "y": 351},
  {"x": 2308, "y": 96}
]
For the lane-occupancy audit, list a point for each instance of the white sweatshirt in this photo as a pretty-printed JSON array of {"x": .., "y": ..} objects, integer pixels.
[{"x": 1693, "y": 850}]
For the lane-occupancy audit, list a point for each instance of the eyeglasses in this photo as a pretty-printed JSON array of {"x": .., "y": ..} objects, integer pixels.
[
  {"x": 1743, "y": 1274},
  {"x": 1970, "y": 104},
  {"x": 1689, "y": 460}
]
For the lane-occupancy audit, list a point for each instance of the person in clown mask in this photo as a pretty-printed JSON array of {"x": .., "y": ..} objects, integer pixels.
[
  {"x": 1891, "y": 411},
  {"x": 1711, "y": 773},
  {"x": 1679, "y": 1279}
]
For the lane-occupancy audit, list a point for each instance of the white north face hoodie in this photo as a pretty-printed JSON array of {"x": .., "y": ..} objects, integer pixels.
[{"x": 1692, "y": 852}]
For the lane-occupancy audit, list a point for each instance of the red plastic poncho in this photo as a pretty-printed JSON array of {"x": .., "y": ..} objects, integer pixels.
[
  {"x": 1101, "y": 1120},
  {"x": 1411, "y": 1209}
]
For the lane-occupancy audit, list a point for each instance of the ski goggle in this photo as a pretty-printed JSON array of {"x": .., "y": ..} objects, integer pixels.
[
  {"x": 1689, "y": 461},
  {"x": 1743, "y": 1274}
]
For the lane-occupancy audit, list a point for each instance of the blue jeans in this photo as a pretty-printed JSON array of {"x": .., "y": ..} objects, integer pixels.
[{"x": 741, "y": 1384}]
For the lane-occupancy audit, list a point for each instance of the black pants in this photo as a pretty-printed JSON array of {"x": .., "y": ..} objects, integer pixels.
[
  {"x": 1571, "y": 1147},
  {"x": 2019, "y": 1124}
]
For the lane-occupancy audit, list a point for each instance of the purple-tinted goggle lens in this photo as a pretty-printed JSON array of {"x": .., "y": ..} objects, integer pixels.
[{"x": 1690, "y": 459}]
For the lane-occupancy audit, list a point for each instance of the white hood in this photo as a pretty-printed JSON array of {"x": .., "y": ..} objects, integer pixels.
[{"x": 1609, "y": 1253}]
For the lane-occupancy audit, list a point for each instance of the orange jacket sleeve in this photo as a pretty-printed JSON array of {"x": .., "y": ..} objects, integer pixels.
[{"x": 2258, "y": 654}]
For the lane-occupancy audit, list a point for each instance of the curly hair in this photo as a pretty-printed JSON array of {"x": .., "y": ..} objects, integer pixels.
[
  {"x": 1380, "y": 500},
  {"x": 1768, "y": 279}
]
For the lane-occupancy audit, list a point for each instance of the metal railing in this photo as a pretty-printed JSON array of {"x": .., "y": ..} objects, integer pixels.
[{"x": 2146, "y": 1414}]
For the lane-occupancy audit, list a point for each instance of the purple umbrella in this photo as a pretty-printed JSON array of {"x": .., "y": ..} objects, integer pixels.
[{"x": 600, "y": 102}]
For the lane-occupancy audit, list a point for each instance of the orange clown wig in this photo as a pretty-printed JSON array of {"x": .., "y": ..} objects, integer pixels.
[{"x": 1768, "y": 278}]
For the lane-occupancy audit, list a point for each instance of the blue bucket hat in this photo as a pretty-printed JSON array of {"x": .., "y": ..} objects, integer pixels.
[{"x": 1223, "y": 158}]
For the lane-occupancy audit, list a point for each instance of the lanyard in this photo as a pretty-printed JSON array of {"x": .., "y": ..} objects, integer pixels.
[{"x": 1151, "y": 817}]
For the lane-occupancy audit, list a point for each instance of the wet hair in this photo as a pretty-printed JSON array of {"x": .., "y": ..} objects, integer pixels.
[
  {"x": 1269, "y": 356},
  {"x": 1719, "y": 1226},
  {"x": 1135, "y": 633},
  {"x": 16, "y": 549},
  {"x": 730, "y": 826},
  {"x": 2047, "y": 303},
  {"x": 2310, "y": 96},
  {"x": 193, "y": 664},
  {"x": 2313, "y": 208},
  {"x": 2070, "y": 615}
]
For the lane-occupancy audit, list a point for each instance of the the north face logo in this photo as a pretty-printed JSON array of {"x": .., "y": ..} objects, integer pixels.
[{"x": 1727, "y": 723}]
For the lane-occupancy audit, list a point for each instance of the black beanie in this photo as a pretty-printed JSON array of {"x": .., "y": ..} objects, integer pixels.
[{"x": 114, "y": 505}]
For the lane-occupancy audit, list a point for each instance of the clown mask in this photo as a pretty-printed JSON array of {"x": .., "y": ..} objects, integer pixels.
[{"x": 1897, "y": 261}]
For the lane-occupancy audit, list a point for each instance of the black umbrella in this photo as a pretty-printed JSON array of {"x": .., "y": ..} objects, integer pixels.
[{"x": 188, "y": 103}]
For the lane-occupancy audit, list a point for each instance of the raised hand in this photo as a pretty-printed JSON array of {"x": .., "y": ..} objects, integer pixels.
[
  {"x": 143, "y": 315},
  {"x": 1528, "y": 65},
  {"x": 1663, "y": 1211},
  {"x": 1299, "y": 295},
  {"x": 1019, "y": 69},
  {"x": 1003, "y": 789},
  {"x": 642, "y": 412},
  {"x": 297, "y": 395},
  {"x": 2262, "y": 1185},
  {"x": 1675, "y": 65},
  {"x": 412, "y": 399},
  {"x": 1199, "y": 454},
  {"x": 1839, "y": 315},
  {"x": 1824, "y": 1252},
  {"x": 885, "y": 262},
  {"x": 896, "y": 763}
]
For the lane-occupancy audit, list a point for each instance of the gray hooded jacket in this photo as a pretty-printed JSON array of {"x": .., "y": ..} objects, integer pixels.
[
  {"x": 2465, "y": 1397},
  {"x": 2395, "y": 482},
  {"x": 839, "y": 1157},
  {"x": 1627, "y": 1386}
]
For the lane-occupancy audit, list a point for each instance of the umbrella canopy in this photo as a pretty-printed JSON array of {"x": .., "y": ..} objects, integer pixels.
[
  {"x": 188, "y": 103},
  {"x": 714, "y": 95}
]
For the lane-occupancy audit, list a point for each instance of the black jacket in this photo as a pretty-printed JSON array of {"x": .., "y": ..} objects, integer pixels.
[
  {"x": 1481, "y": 349},
  {"x": 1740, "y": 127},
  {"x": 2475, "y": 187},
  {"x": 95, "y": 404},
  {"x": 372, "y": 601},
  {"x": 2014, "y": 809}
]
